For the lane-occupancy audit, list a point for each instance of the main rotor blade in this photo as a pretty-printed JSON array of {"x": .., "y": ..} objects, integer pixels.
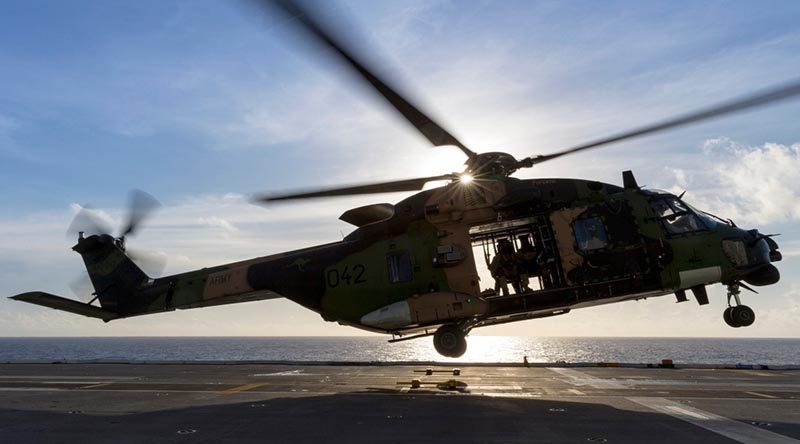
[
  {"x": 141, "y": 204},
  {"x": 373, "y": 188},
  {"x": 753, "y": 101},
  {"x": 432, "y": 131}
]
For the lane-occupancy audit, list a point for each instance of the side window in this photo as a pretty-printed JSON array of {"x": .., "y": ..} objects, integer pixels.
[
  {"x": 398, "y": 263},
  {"x": 590, "y": 234}
]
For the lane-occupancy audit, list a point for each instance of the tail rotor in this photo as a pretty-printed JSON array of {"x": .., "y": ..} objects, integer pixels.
[{"x": 93, "y": 227}]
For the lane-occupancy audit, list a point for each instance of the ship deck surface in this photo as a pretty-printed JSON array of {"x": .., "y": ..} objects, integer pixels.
[{"x": 297, "y": 403}]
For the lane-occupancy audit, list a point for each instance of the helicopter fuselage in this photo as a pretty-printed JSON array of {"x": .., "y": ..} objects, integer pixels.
[
  {"x": 424, "y": 262},
  {"x": 417, "y": 267}
]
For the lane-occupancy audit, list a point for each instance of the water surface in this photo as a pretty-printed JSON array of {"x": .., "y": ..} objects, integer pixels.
[{"x": 481, "y": 349}]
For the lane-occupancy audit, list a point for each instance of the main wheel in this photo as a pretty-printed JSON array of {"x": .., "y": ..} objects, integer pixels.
[
  {"x": 743, "y": 315},
  {"x": 449, "y": 341},
  {"x": 728, "y": 319}
]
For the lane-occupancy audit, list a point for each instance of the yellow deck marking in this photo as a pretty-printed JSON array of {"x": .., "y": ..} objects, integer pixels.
[
  {"x": 103, "y": 384},
  {"x": 762, "y": 395},
  {"x": 243, "y": 388}
]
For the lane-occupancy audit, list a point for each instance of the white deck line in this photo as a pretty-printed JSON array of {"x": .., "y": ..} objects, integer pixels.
[
  {"x": 62, "y": 377},
  {"x": 578, "y": 378},
  {"x": 721, "y": 425}
]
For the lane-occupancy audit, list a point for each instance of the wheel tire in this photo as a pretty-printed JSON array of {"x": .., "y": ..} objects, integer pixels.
[
  {"x": 743, "y": 315},
  {"x": 728, "y": 318},
  {"x": 449, "y": 341}
]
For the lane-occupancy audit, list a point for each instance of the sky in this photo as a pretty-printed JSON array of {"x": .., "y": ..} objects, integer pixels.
[{"x": 202, "y": 103}]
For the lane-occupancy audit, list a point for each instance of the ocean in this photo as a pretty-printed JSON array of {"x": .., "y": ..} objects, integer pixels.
[{"x": 495, "y": 349}]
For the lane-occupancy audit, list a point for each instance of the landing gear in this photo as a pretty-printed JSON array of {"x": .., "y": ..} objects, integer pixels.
[
  {"x": 738, "y": 315},
  {"x": 743, "y": 316},
  {"x": 449, "y": 341},
  {"x": 727, "y": 316}
]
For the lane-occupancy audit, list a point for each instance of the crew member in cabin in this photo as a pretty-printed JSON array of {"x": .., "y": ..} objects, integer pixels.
[
  {"x": 527, "y": 258},
  {"x": 504, "y": 268}
]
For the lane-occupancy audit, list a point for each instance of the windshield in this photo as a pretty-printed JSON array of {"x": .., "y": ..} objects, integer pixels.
[
  {"x": 708, "y": 219},
  {"x": 677, "y": 217}
]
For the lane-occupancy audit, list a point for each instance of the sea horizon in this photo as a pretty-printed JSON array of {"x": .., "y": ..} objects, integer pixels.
[{"x": 499, "y": 349}]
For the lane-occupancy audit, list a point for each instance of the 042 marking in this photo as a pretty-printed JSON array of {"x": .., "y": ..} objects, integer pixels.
[{"x": 346, "y": 276}]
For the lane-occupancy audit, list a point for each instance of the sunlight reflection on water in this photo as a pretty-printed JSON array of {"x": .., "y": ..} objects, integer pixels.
[{"x": 365, "y": 349}]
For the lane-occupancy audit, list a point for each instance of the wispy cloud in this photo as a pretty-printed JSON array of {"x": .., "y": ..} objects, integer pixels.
[
  {"x": 9, "y": 146},
  {"x": 751, "y": 184}
]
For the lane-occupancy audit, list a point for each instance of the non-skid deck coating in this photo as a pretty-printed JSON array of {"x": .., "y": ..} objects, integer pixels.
[{"x": 185, "y": 403}]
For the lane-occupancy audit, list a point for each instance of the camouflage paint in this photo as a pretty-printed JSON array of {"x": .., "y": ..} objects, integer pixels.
[{"x": 344, "y": 281}]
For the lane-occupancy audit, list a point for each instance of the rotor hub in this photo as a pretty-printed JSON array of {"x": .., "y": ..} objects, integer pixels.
[{"x": 492, "y": 164}]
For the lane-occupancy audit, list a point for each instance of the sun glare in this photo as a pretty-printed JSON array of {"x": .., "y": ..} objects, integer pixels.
[{"x": 465, "y": 178}]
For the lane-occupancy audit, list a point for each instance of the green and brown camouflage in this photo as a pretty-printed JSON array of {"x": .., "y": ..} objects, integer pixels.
[{"x": 411, "y": 267}]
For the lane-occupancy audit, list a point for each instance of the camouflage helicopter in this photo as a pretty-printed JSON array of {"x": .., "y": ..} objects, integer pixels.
[{"x": 412, "y": 269}]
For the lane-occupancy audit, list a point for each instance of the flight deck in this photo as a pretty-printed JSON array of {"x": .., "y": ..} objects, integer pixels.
[{"x": 379, "y": 403}]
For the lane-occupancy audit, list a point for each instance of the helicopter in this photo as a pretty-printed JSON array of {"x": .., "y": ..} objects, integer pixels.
[{"x": 411, "y": 269}]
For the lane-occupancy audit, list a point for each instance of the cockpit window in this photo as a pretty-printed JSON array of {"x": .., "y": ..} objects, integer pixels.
[
  {"x": 675, "y": 216},
  {"x": 708, "y": 221}
]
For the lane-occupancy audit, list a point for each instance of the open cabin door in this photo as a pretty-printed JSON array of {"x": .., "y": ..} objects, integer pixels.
[{"x": 529, "y": 241}]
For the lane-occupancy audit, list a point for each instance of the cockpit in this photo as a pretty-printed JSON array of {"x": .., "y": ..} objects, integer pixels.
[{"x": 677, "y": 217}]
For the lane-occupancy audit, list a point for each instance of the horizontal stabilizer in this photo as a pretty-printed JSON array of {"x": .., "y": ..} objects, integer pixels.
[{"x": 59, "y": 303}]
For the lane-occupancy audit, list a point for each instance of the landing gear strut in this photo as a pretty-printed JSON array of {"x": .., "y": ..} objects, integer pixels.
[
  {"x": 738, "y": 315},
  {"x": 449, "y": 341}
]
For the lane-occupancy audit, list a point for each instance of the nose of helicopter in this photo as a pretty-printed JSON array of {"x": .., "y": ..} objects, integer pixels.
[
  {"x": 763, "y": 251},
  {"x": 752, "y": 254},
  {"x": 764, "y": 275}
]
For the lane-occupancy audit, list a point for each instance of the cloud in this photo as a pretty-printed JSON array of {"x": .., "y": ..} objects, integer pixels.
[
  {"x": 790, "y": 248},
  {"x": 9, "y": 128},
  {"x": 750, "y": 184},
  {"x": 216, "y": 222}
]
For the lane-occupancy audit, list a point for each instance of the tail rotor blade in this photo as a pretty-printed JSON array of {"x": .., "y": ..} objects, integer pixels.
[
  {"x": 88, "y": 221},
  {"x": 141, "y": 205}
]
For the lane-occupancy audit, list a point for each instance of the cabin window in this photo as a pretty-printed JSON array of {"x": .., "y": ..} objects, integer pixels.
[
  {"x": 590, "y": 234},
  {"x": 399, "y": 265},
  {"x": 675, "y": 216}
]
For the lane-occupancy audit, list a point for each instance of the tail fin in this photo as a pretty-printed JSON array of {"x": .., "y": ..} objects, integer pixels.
[{"x": 114, "y": 275}]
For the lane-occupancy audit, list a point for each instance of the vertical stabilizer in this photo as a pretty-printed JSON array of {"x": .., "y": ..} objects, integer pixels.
[{"x": 114, "y": 275}]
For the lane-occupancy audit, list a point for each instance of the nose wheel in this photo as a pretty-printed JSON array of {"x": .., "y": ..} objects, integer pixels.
[
  {"x": 449, "y": 340},
  {"x": 737, "y": 315}
]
